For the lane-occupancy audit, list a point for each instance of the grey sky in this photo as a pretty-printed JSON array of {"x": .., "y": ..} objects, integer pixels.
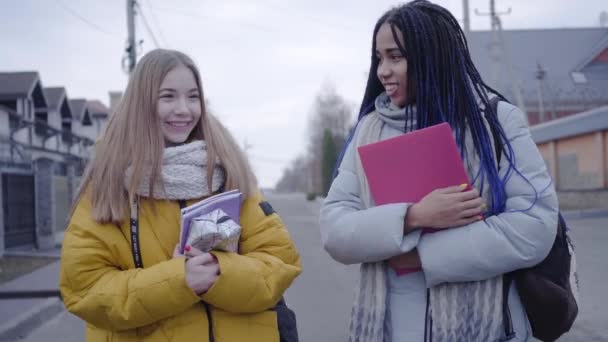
[{"x": 262, "y": 61}]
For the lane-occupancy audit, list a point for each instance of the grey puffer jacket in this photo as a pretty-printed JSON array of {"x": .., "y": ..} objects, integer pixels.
[{"x": 515, "y": 239}]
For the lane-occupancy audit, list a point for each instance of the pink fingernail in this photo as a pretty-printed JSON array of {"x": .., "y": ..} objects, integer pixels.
[{"x": 187, "y": 249}]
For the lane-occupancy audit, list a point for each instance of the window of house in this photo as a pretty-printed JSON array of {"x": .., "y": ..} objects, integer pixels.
[
  {"x": 12, "y": 104},
  {"x": 86, "y": 120}
]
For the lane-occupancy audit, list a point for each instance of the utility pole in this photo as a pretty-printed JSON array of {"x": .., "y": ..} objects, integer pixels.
[
  {"x": 131, "y": 49},
  {"x": 466, "y": 18},
  {"x": 540, "y": 76},
  {"x": 496, "y": 47},
  {"x": 500, "y": 54}
]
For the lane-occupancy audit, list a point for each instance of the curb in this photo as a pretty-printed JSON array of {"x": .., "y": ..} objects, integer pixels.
[
  {"x": 585, "y": 214},
  {"x": 33, "y": 254},
  {"x": 22, "y": 325}
]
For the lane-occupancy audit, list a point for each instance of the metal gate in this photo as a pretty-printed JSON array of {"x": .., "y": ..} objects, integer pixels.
[{"x": 18, "y": 204}]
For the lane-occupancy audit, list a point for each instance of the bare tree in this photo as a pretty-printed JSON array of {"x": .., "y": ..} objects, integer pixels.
[
  {"x": 332, "y": 113},
  {"x": 294, "y": 177}
]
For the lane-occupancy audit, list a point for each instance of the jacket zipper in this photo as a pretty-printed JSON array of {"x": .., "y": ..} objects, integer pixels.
[
  {"x": 428, "y": 322},
  {"x": 210, "y": 322},
  {"x": 182, "y": 205}
]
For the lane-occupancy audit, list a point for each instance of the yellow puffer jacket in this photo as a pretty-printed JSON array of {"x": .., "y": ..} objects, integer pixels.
[{"x": 100, "y": 284}]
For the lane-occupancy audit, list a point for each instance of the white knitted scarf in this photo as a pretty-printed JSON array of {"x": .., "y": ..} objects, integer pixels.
[
  {"x": 469, "y": 311},
  {"x": 183, "y": 174}
]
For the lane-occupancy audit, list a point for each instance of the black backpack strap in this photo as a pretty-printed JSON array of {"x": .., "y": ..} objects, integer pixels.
[
  {"x": 286, "y": 321},
  {"x": 507, "y": 279}
]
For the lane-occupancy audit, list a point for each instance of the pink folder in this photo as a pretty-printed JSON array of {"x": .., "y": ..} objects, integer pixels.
[{"x": 406, "y": 168}]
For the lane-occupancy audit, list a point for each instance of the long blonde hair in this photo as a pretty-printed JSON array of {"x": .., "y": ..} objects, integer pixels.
[{"x": 133, "y": 137}]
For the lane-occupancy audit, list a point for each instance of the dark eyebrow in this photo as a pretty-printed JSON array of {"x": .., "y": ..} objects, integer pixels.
[
  {"x": 390, "y": 50},
  {"x": 173, "y": 90}
]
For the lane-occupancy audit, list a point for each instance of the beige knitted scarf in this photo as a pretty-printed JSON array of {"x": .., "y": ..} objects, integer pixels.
[{"x": 183, "y": 174}]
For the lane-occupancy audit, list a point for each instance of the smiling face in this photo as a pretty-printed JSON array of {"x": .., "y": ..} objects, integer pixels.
[
  {"x": 392, "y": 65},
  {"x": 179, "y": 105}
]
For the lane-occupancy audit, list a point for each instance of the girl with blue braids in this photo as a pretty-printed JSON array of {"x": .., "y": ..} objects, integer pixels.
[{"x": 445, "y": 286}]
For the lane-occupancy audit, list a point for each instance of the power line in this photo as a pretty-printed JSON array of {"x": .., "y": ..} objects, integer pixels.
[
  {"x": 84, "y": 20},
  {"x": 145, "y": 21},
  {"x": 157, "y": 23},
  {"x": 317, "y": 19},
  {"x": 258, "y": 27}
]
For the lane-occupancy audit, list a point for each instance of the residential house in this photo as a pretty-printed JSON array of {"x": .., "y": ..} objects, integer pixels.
[
  {"x": 559, "y": 77},
  {"x": 45, "y": 141},
  {"x": 551, "y": 73},
  {"x": 22, "y": 93},
  {"x": 60, "y": 117},
  {"x": 115, "y": 97},
  {"x": 100, "y": 114},
  {"x": 575, "y": 149},
  {"x": 82, "y": 125}
]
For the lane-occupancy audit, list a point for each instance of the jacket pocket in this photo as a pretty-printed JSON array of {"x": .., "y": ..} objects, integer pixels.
[
  {"x": 256, "y": 327},
  {"x": 94, "y": 334},
  {"x": 265, "y": 318}
]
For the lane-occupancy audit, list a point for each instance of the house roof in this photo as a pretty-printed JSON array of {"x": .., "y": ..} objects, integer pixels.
[
  {"x": 79, "y": 107},
  {"x": 594, "y": 120},
  {"x": 558, "y": 51},
  {"x": 54, "y": 96},
  {"x": 98, "y": 109},
  {"x": 596, "y": 50},
  {"x": 17, "y": 84}
]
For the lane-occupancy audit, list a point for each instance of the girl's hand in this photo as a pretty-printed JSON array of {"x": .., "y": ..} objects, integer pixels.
[
  {"x": 202, "y": 270},
  {"x": 446, "y": 208}
]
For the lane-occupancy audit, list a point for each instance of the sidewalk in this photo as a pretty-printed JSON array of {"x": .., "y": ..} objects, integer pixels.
[{"x": 20, "y": 316}]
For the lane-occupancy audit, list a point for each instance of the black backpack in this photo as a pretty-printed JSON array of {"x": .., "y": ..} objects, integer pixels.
[
  {"x": 286, "y": 319},
  {"x": 547, "y": 289}
]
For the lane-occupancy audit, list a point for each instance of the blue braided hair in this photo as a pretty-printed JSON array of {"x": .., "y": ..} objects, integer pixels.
[{"x": 445, "y": 85}]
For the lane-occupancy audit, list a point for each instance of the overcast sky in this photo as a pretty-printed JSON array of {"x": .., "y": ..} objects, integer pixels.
[{"x": 262, "y": 61}]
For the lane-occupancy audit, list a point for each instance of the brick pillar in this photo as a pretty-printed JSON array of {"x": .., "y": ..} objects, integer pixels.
[
  {"x": 72, "y": 182},
  {"x": 44, "y": 201}
]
